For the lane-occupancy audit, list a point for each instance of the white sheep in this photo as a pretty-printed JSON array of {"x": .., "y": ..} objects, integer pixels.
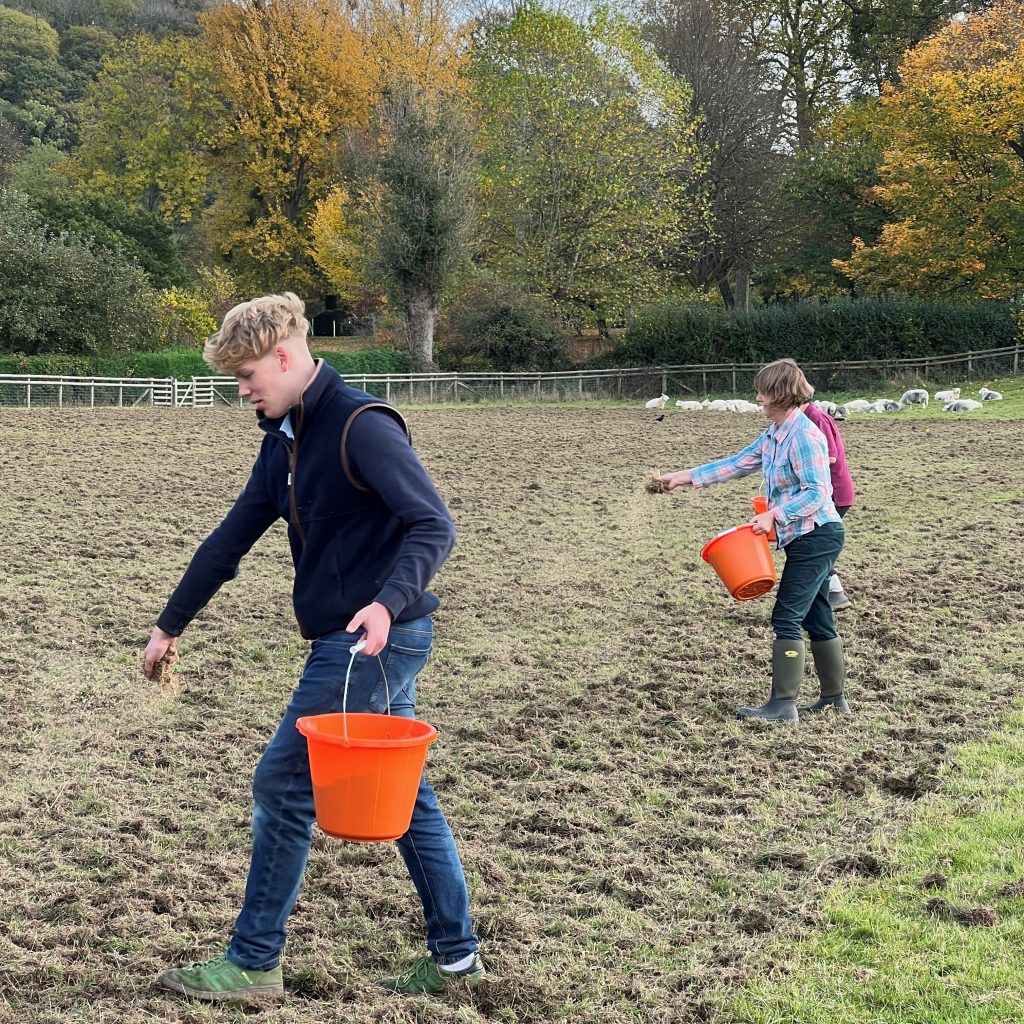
[
  {"x": 915, "y": 396},
  {"x": 947, "y": 396},
  {"x": 855, "y": 405},
  {"x": 830, "y": 408},
  {"x": 884, "y": 405},
  {"x": 988, "y": 395},
  {"x": 718, "y": 405},
  {"x": 962, "y": 405},
  {"x": 742, "y": 405},
  {"x": 689, "y": 406},
  {"x": 657, "y": 403}
]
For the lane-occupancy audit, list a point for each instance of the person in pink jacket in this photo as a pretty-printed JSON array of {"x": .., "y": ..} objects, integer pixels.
[{"x": 842, "y": 489}]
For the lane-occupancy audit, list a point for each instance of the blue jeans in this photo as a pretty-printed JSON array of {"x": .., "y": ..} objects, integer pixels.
[
  {"x": 283, "y": 813},
  {"x": 802, "y": 598}
]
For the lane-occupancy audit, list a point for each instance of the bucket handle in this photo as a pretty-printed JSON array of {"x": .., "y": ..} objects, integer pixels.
[{"x": 354, "y": 652}]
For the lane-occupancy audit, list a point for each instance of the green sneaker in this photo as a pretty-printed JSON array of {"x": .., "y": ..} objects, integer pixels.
[
  {"x": 224, "y": 979},
  {"x": 424, "y": 977}
]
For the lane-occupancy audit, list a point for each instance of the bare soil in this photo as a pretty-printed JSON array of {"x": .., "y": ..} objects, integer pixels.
[{"x": 631, "y": 848}]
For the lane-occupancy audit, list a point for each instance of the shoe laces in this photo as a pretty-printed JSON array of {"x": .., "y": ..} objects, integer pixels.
[
  {"x": 418, "y": 970},
  {"x": 204, "y": 965}
]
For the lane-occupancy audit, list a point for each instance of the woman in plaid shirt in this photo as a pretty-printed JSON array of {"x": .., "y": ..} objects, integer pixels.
[{"x": 793, "y": 456}]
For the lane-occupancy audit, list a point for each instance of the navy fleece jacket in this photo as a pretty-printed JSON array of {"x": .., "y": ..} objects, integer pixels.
[{"x": 381, "y": 538}]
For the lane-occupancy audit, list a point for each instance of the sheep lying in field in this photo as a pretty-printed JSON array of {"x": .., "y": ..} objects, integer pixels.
[
  {"x": 855, "y": 405},
  {"x": 915, "y": 396},
  {"x": 884, "y": 405},
  {"x": 689, "y": 406},
  {"x": 947, "y": 396},
  {"x": 657, "y": 403},
  {"x": 962, "y": 405},
  {"x": 988, "y": 395},
  {"x": 829, "y": 408}
]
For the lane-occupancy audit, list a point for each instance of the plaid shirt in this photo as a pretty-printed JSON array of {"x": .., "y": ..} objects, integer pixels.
[{"x": 794, "y": 460}]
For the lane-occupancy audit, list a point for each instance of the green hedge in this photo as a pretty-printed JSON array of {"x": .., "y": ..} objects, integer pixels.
[
  {"x": 185, "y": 363},
  {"x": 675, "y": 334}
]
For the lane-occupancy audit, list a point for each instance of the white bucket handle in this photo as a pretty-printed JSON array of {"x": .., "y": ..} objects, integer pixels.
[{"x": 354, "y": 651}]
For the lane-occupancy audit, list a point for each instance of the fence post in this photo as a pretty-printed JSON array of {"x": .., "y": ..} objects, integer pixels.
[
  {"x": 734, "y": 378},
  {"x": 1016, "y": 356},
  {"x": 704, "y": 379},
  {"x": 28, "y": 395},
  {"x": 664, "y": 381},
  {"x": 92, "y": 395},
  {"x": 970, "y": 362}
]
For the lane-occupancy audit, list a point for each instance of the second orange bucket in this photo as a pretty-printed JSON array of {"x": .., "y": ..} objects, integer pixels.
[
  {"x": 743, "y": 562},
  {"x": 760, "y": 503},
  {"x": 366, "y": 772}
]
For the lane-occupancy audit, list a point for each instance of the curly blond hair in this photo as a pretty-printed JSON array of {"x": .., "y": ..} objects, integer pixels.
[
  {"x": 253, "y": 328},
  {"x": 783, "y": 383}
]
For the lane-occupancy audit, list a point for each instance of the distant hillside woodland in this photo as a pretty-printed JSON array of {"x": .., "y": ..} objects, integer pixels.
[{"x": 496, "y": 180}]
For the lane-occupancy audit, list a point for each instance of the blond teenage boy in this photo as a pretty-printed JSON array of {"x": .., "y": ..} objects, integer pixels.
[{"x": 368, "y": 530}]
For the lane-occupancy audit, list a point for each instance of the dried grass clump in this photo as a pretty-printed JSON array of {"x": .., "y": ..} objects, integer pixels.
[{"x": 655, "y": 485}]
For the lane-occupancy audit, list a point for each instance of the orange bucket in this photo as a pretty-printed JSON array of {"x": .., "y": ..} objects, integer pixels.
[
  {"x": 366, "y": 772},
  {"x": 760, "y": 503},
  {"x": 743, "y": 562}
]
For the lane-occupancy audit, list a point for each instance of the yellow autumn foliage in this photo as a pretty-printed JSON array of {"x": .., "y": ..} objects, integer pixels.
[{"x": 952, "y": 179}]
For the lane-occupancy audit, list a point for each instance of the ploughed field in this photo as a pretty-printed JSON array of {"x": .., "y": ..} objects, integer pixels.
[{"x": 634, "y": 853}]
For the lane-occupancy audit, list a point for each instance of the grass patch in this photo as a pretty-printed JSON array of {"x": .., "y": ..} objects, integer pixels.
[{"x": 939, "y": 940}]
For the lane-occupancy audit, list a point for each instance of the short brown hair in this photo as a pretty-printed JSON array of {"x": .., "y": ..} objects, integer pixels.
[
  {"x": 783, "y": 383},
  {"x": 253, "y": 328}
]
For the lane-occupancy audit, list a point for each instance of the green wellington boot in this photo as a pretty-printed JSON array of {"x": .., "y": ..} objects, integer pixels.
[
  {"x": 830, "y": 665},
  {"x": 787, "y": 674}
]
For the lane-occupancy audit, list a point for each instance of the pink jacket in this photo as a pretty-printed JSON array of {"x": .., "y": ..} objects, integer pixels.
[{"x": 842, "y": 482}]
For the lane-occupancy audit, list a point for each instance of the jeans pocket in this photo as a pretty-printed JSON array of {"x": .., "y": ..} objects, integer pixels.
[{"x": 403, "y": 660}]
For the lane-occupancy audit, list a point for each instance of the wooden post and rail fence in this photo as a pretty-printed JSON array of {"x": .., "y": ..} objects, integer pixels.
[{"x": 700, "y": 379}]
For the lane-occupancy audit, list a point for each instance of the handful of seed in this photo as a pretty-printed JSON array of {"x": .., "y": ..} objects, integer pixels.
[
  {"x": 655, "y": 485},
  {"x": 163, "y": 671}
]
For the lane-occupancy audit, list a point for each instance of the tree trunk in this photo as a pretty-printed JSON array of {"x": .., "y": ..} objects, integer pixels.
[
  {"x": 725, "y": 289},
  {"x": 742, "y": 287},
  {"x": 420, "y": 314}
]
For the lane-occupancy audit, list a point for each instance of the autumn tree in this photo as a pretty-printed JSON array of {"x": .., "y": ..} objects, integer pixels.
[
  {"x": 149, "y": 123},
  {"x": 417, "y": 43},
  {"x": 952, "y": 180},
  {"x": 294, "y": 77},
  {"x": 588, "y": 160}
]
